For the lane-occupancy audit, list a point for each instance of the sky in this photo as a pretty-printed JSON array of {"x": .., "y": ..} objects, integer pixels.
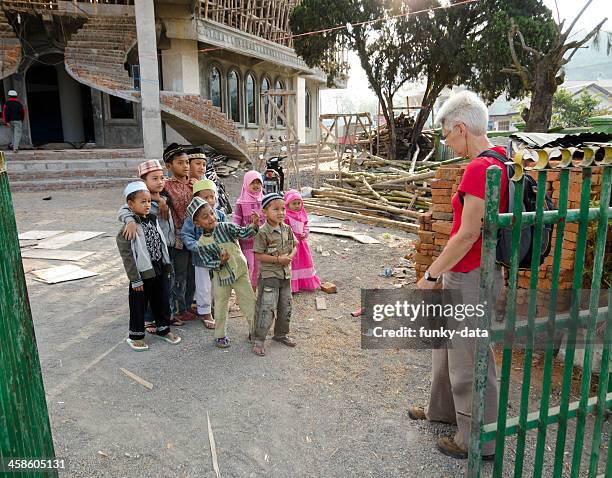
[{"x": 358, "y": 93}]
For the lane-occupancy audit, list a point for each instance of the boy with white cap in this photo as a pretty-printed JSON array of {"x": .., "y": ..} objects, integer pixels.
[
  {"x": 147, "y": 264},
  {"x": 152, "y": 174}
]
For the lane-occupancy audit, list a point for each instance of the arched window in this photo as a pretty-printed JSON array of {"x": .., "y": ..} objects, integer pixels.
[
  {"x": 265, "y": 86},
  {"x": 250, "y": 99},
  {"x": 233, "y": 96},
  {"x": 279, "y": 85},
  {"x": 307, "y": 113},
  {"x": 215, "y": 86}
]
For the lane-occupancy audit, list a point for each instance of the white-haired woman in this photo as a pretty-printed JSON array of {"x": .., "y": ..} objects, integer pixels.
[{"x": 464, "y": 120}]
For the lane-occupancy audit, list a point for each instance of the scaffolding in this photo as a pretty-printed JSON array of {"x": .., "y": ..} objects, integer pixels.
[
  {"x": 277, "y": 130},
  {"x": 347, "y": 131},
  {"x": 268, "y": 19}
]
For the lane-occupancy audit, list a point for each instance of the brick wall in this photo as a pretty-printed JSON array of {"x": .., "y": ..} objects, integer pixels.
[
  {"x": 10, "y": 48},
  {"x": 435, "y": 225}
]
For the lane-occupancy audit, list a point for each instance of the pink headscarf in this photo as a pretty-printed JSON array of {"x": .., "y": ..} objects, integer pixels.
[
  {"x": 247, "y": 196},
  {"x": 293, "y": 195}
]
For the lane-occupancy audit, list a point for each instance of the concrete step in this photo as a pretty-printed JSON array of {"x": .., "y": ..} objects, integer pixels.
[
  {"x": 77, "y": 154},
  {"x": 52, "y": 170},
  {"x": 76, "y": 183}
]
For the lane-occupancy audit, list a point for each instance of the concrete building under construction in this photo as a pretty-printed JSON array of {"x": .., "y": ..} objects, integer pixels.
[{"x": 141, "y": 73}]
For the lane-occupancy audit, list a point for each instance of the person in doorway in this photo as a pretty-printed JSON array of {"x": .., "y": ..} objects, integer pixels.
[
  {"x": 13, "y": 114},
  {"x": 464, "y": 120}
]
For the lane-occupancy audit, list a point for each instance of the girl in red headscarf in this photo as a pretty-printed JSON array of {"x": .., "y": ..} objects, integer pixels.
[
  {"x": 303, "y": 273},
  {"x": 249, "y": 201}
]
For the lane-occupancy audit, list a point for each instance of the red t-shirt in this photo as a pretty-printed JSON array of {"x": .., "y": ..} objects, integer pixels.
[{"x": 473, "y": 182}]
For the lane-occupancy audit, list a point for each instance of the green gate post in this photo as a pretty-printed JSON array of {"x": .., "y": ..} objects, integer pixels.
[
  {"x": 546, "y": 416},
  {"x": 25, "y": 431}
]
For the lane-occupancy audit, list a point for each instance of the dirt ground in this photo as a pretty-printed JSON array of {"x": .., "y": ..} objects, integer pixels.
[{"x": 324, "y": 409}]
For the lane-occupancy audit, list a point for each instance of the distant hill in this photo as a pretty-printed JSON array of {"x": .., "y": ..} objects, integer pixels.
[{"x": 590, "y": 64}]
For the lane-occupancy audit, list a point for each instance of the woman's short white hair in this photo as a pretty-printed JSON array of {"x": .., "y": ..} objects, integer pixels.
[{"x": 465, "y": 107}]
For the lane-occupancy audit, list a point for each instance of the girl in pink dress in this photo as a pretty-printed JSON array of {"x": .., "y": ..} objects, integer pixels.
[
  {"x": 303, "y": 273},
  {"x": 249, "y": 201}
]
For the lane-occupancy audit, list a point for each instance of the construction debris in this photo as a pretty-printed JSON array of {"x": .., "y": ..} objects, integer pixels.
[
  {"x": 55, "y": 275},
  {"x": 329, "y": 287},
  {"x": 223, "y": 165},
  {"x": 137, "y": 379},
  {"x": 362, "y": 238},
  {"x": 320, "y": 303},
  {"x": 403, "y": 131}
]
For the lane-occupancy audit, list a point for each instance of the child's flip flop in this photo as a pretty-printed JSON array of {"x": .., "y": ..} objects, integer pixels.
[
  {"x": 138, "y": 345},
  {"x": 170, "y": 338}
]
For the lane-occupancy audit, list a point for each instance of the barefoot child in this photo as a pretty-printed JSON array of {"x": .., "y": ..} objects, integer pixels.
[
  {"x": 190, "y": 234},
  {"x": 221, "y": 253},
  {"x": 249, "y": 201},
  {"x": 147, "y": 262},
  {"x": 179, "y": 191},
  {"x": 274, "y": 247},
  {"x": 303, "y": 273},
  {"x": 152, "y": 173}
]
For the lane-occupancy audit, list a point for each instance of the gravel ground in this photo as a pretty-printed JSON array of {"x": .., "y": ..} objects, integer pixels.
[{"x": 326, "y": 408}]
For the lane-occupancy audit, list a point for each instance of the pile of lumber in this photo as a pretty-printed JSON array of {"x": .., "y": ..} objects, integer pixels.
[
  {"x": 223, "y": 165},
  {"x": 380, "y": 193},
  {"x": 404, "y": 125}
]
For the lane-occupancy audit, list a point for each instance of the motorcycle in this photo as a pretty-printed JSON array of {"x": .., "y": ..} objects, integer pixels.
[{"x": 274, "y": 176}]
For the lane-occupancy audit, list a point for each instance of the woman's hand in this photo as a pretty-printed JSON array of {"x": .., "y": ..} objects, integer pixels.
[{"x": 425, "y": 284}]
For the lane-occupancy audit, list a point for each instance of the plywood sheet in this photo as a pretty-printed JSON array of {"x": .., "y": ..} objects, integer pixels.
[
  {"x": 55, "y": 275},
  {"x": 55, "y": 254},
  {"x": 57, "y": 242},
  {"x": 37, "y": 234}
]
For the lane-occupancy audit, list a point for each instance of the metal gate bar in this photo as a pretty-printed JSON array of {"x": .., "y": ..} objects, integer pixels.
[{"x": 512, "y": 329}]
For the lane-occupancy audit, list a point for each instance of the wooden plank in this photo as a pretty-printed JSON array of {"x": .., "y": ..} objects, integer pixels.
[
  {"x": 362, "y": 238},
  {"x": 146, "y": 384},
  {"x": 55, "y": 255},
  {"x": 55, "y": 275},
  {"x": 57, "y": 242},
  {"x": 213, "y": 447},
  {"x": 37, "y": 235}
]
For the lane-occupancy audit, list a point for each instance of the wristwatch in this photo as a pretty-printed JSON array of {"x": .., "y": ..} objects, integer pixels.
[{"x": 430, "y": 278}]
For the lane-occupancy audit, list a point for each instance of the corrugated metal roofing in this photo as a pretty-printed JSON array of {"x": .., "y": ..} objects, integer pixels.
[{"x": 545, "y": 140}]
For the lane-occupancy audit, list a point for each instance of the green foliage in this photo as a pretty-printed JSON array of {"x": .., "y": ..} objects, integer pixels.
[
  {"x": 539, "y": 30},
  {"x": 570, "y": 111}
]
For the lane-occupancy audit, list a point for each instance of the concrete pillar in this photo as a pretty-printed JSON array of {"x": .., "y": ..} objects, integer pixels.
[
  {"x": 18, "y": 81},
  {"x": 180, "y": 66},
  {"x": 181, "y": 72},
  {"x": 98, "y": 117},
  {"x": 299, "y": 87},
  {"x": 149, "y": 86},
  {"x": 70, "y": 105}
]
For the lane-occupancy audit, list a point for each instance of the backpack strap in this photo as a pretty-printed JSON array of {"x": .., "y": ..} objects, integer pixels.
[{"x": 489, "y": 153}]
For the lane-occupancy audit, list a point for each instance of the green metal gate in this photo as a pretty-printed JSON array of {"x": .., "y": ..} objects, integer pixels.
[
  {"x": 546, "y": 416},
  {"x": 25, "y": 432}
]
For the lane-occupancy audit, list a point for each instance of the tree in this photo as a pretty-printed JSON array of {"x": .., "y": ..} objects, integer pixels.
[
  {"x": 378, "y": 44},
  {"x": 570, "y": 111},
  {"x": 540, "y": 67},
  {"x": 439, "y": 44}
]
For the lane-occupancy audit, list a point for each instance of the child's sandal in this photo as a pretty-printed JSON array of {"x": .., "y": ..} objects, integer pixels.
[
  {"x": 170, "y": 338},
  {"x": 150, "y": 327},
  {"x": 138, "y": 345},
  {"x": 223, "y": 342},
  {"x": 209, "y": 322},
  {"x": 259, "y": 350}
]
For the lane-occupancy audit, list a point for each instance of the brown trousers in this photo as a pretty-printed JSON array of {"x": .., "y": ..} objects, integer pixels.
[
  {"x": 273, "y": 305},
  {"x": 453, "y": 370}
]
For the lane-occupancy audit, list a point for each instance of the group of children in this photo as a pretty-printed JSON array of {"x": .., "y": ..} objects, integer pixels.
[{"x": 177, "y": 246}]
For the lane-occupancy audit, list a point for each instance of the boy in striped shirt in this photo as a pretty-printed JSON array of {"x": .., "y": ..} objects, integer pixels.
[{"x": 219, "y": 249}]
